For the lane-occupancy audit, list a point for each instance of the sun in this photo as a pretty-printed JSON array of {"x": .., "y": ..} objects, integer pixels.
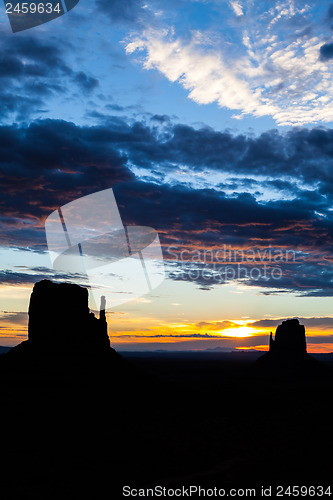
[{"x": 240, "y": 331}]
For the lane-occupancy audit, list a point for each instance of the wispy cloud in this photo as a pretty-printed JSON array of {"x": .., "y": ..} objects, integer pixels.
[
  {"x": 237, "y": 8},
  {"x": 271, "y": 66}
]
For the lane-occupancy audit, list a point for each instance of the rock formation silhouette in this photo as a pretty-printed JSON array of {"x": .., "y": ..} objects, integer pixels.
[
  {"x": 289, "y": 338},
  {"x": 60, "y": 390},
  {"x": 59, "y": 314},
  {"x": 287, "y": 356},
  {"x": 60, "y": 322}
]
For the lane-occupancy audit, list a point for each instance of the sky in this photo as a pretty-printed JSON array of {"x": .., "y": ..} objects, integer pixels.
[{"x": 211, "y": 120}]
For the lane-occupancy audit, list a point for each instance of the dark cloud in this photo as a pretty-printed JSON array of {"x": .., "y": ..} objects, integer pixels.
[
  {"x": 123, "y": 11},
  {"x": 302, "y": 154},
  {"x": 326, "y": 322},
  {"x": 30, "y": 57},
  {"x": 207, "y": 216},
  {"x": 310, "y": 280},
  {"x": 21, "y": 106},
  {"x": 326, "y": 51},
  {"x": 51, "y": 162},
  {"x": 160, "y": 119},
  {"x": 30, "y": 71},
  {"x": 35, "y": 274},
  {"x": 192, "y": 221},
  {"x": 87, "y": 83},
  {"x": 114, "y": 107},
  {"x": 46, "y": 164}
]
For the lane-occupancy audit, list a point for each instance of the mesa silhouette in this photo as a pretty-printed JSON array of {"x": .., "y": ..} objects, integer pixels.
[
  {"x": 287, "y": 356},
  {"x": 59, "y": 318},
  {"x": 64, "y": 337}
]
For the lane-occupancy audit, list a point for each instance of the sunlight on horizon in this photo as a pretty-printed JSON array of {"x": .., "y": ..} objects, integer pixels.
[{"x": 238, "y": 332}]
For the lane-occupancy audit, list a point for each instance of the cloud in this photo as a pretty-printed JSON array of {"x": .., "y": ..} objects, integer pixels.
[
  {"x": 306, "y": 280},
  {"x": 237, "y": 8},
  {"x": 26, "y": 65},
  {"x": 295, "y": 163},
  {"x": 320, "y": 323},
  {"x": 32, "y": 163},
  {"x": 201, "y": 189},
  {"x": 87, "y": 83},
  {"x": 46, "y": 164},
  {"x": 326, "y": 51},
  {"x": 268, "y": 66},
  {"x": 35, "y": 274},
  {"x": 175, "y": 336},
  {"x": 30, "y": 57},
  {"x": 207, "y": 77},
  {"x": 216, "y": 325},
  {"x": 124, "y": 11},
  {"x": 13, "y": 318}
]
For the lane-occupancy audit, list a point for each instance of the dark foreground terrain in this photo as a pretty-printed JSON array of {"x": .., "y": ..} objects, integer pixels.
[{"x": 77, "y": 427}]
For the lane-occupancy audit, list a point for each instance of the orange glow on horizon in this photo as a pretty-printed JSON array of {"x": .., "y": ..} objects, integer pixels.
[
  {"x": 238, "y": 332},
  {"x": 144, "y": 326},
  {"x": 262, "y": 348}
]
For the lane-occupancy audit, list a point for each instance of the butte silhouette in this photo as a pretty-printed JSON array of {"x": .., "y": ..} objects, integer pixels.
[
  {"x": 59, "y": 316},
  {"x": 62, "y": 389},
  {"x": 287, "y": 356},
  {"x": 60, "y": 320},
  {"x": 64, "y": 336}
]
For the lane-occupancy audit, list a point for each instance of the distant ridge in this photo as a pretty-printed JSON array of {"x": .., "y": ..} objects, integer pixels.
[{"x": 4, "y": 349}]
